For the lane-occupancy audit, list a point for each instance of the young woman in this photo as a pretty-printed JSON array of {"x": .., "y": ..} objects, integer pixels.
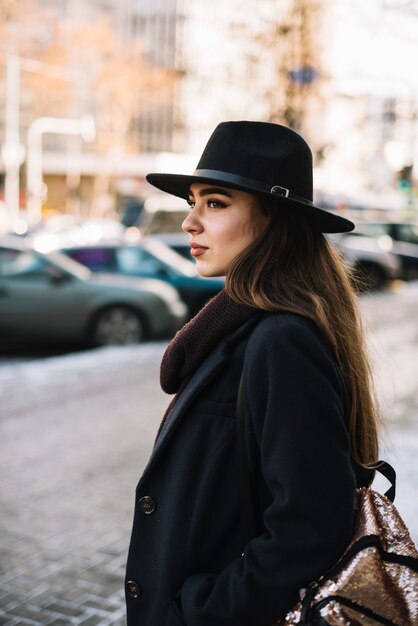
[{"x": 287, "y": 325}]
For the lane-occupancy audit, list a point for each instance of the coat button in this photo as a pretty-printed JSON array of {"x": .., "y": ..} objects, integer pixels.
[
  {"x": 133, "y": 588},
  {"x": 147, "y": 505}
]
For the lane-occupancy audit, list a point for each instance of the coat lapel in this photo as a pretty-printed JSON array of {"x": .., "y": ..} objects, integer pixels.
[{"x": 203, "y": 375}]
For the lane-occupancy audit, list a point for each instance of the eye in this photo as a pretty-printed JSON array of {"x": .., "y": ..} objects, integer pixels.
[
  {"x": 191, "y": 203},
  {"x": 216, "y": 204}
]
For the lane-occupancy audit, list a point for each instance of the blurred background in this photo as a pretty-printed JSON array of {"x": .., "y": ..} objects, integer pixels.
[
  {"x": 95, "y": 276},
  {"x": 96, "y": 94}
]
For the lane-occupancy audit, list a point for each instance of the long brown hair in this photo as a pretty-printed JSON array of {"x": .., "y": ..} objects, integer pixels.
[{"x": 292, "y": 267}]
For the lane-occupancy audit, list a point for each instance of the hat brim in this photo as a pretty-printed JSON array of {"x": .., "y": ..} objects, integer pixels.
[{"x": 322, "y": 220}]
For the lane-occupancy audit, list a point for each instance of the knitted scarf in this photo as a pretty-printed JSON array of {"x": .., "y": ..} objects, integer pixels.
[{"x": 192, "y": 344}]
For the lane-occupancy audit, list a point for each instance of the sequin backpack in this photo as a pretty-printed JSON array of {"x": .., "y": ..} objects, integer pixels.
[{"x": 376, "y": 579}]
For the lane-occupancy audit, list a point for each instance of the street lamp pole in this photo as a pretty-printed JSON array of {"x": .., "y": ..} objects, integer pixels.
[
  {"x": 12, "y": 151},
  {"x": 83, "y": 126}
]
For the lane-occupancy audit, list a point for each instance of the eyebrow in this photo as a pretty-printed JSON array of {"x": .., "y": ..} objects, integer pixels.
[{"x": 209, "y": 190}]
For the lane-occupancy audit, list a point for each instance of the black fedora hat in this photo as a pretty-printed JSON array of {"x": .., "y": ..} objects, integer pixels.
[{"x": 268, "y": 160}]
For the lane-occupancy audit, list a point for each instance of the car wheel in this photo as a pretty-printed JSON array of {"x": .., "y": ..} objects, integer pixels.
[{"x": 117, "y": 325}]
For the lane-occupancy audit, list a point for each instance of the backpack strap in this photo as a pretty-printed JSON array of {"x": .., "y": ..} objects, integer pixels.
[{"x": 389, "y": 473}]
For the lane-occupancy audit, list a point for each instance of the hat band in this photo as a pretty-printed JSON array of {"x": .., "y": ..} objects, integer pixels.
[{"x": 255, "y": 185}]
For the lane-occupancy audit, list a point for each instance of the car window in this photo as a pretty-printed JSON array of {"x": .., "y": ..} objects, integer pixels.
[
  {"x": 138, "y": 261},
  {"x": 68, "y": 265},
  {"x": 169, "y": 257},
  {"x": 407, "y": 233},
  {"x": 19, "y": 262},
  {"x": 97, "y": 259}
]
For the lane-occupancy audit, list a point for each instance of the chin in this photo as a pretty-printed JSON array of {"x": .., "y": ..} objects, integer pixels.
[{"x": 209, "y": 272}]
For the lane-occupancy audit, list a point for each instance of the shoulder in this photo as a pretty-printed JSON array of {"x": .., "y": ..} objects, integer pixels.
[
  {"x": 291, "y": 347},
  {"x": 283, "y": 320},
  {"x": 290, "y": 364},
  {"x": 286, "y": 329}
]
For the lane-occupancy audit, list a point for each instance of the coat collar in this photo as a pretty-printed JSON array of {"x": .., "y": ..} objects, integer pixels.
[{"x": 202, "y": 377}]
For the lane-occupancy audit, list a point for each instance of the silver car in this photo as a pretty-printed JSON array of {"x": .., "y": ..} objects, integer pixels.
[
  {"x": 49, "y": 297},
  {"x": 373, "y": 263}
]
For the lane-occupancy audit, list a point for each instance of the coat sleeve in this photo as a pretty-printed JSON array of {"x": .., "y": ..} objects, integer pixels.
[{"x": 294, "y": 398}]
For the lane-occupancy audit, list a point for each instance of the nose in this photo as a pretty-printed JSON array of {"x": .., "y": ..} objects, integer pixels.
[{"x": 192, "y": 224}]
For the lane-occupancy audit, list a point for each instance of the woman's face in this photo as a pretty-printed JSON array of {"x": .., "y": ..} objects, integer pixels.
[{"x": 222, "y": 222}]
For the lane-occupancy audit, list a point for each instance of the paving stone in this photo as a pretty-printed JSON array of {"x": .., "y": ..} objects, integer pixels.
[
  {"x": 21, "y": 621},
  {"x": 27, "y": 611},
  {"x": 120, "y": 621},
  {"x": 93, "y": 620},
  {"x": 6, "y": 596},
  {"x": 65, "y": 609},
  {"x": 75, "y": 435},
  {"x": 102, "y": 604}
]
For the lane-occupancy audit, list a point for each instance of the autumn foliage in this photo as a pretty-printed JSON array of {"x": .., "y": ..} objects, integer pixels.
[{"x": 84, "y": 67}]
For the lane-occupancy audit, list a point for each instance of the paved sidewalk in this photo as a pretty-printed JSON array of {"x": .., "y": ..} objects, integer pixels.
[{"x": 75, "y": 433}]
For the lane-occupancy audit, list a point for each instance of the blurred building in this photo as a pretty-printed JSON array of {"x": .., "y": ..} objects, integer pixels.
[
  {"x": 338, "y": 71},
  {"x": 156, "y": 25},
  {"x": 253, "y": 59},
  {"x": 371, "y": 118}
]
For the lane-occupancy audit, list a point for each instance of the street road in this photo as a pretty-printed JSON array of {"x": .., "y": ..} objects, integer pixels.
[{"x": 76, "y": 431}]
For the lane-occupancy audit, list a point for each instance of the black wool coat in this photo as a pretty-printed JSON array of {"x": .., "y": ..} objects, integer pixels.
[{"x": 188, "y": 563}]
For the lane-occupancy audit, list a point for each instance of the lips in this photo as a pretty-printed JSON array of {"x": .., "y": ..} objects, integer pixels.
[{"x": 196, "y": 249}]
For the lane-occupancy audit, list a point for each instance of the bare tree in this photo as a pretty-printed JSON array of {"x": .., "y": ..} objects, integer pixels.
[{"x": 294, "y": 41}]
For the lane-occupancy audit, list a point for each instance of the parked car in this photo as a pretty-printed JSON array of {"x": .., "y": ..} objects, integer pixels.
[
  {"x": 373, "y": 264},
  {"x": 179, "y": 242},
  {"x": 162, "y": 213},
  {"x": 49, "y": 297},
  {"x": 62, "y": 230},
  {"x": 401, "y": 239},
  {"x": 150, "y": 258}
]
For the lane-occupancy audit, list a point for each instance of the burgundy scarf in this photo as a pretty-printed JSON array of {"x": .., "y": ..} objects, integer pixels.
[{"x": 192, "y": 344}]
